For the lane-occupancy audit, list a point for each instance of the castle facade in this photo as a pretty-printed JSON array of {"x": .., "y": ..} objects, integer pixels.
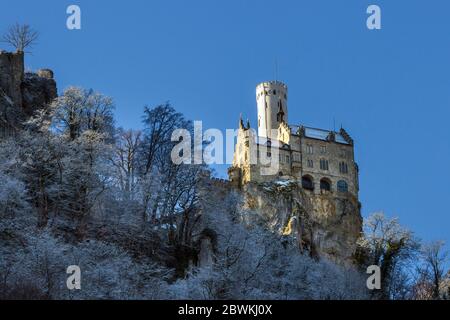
[{"x": 322, "y": 161}]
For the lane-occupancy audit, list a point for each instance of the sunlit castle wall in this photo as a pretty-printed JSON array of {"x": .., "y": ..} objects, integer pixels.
[{"x": 271, "y": 98}]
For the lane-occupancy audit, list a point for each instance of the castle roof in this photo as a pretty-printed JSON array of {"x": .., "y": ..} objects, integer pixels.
[{"x": 322, "y": 134}]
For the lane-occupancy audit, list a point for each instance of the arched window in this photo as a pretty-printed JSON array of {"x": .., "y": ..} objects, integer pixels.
[
  {"x": 342, "y": 186},
  {"x": 307, "y": 183},
  {"x": 325, "y": 184}
]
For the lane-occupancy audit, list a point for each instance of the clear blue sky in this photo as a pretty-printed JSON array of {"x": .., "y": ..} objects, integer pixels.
[{"x": 390, "y": 88}]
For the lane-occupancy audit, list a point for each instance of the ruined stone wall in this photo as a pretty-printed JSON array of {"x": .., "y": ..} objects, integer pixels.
[
  {"x": 38, "y": 90},
  {"x": 12, "y": 75},
  {"x": 21, "y": 94}
]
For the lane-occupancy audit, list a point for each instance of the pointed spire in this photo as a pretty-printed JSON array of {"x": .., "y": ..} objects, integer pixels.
[
  {"x": 241, "y": 122},
  {"x": 248, "y": 123}
]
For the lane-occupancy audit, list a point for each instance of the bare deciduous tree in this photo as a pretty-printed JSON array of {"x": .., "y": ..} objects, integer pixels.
[
  {"x": 124, "y": 160},
  {"x": 20, "y": 36},
  {"x": 434, "y": 258},
  {"x": 388, "y": 245}
]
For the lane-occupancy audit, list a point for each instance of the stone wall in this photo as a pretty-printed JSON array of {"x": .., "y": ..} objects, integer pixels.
[
  {"x": 21, "y": 94},
  {"x": 12, "y": 75},
  {"x": 334, "y": 153}
]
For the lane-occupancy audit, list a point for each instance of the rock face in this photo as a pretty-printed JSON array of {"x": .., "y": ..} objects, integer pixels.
[
  {"x": 324, "y": 225},
  {"x": 38, "y": 90},
  {"x": 21, "y": 94}
]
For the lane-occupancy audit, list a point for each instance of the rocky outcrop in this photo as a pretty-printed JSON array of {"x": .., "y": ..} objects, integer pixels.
[
  {"x": 323, "y": 225},
  {"x": 38, "y": 90},
  {"x": 21, "y": 94}
]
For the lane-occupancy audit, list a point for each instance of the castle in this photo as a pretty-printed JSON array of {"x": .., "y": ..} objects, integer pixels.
[{"x": 322, "y": 161}]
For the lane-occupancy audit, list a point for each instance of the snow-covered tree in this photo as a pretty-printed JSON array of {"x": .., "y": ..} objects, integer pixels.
[
  {"x": 390, "y": 246},
  {"x": 79, "y": 110},
  {"x": 431, "y": 272}
]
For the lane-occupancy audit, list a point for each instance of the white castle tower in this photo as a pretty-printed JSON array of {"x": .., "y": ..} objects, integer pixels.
[{"x": 271, "y": 99}]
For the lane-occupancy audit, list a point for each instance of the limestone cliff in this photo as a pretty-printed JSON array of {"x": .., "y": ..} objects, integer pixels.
[{"x": 324, "y": 225}]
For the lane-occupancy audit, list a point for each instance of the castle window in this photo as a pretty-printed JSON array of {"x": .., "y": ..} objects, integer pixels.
[
  {"x": 325, "y": 184},
  {"x": 307, "y": 183},
  {"x": 310, "y": 163},
  {"x": 324, "y": 164},
  {"x": 269, "y": 154},
  {"x": 288, "y": 159},
  {"x": 309, "y": 149},
  {"x": 342, "y": 186},
  {"x": 343, "y": 167},
  {"x": 323, "y": 149},
  {"x": 274, "y": 92}
]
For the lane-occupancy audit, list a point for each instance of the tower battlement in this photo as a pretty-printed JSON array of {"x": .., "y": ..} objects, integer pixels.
[
  {"x": 272, "y": 83},
  {"x": 271, "y": 100}
]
